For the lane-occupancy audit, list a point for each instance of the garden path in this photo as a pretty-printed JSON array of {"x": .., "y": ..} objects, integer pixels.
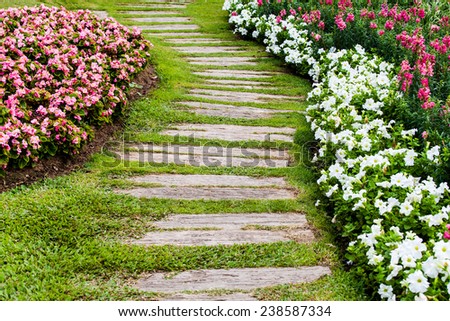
[{"x": 229, "y": 87}]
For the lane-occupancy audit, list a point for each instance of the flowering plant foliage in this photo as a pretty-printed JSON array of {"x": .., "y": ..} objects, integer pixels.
[
  {"x": 386, "y": 204},
  {"x": 60, "y": 73}
]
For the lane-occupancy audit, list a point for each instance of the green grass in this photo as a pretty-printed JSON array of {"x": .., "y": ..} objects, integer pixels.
[{"x": 63, "y": 238}]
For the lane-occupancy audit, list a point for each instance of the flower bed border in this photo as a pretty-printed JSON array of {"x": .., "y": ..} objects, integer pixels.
[{"x": 398, "y": 224}]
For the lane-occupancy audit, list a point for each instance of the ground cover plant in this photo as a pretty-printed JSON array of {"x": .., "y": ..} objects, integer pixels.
[
  {"x": 387, "y": 201},
  {"x": 62, "y": 72}
]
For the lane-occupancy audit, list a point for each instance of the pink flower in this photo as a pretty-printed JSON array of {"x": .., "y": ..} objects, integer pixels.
[
  {"x": 373, "y": 25},
  {"x": 381, "y": 32},
  {"x": 447, "y": 235},
  {"x": 389, "y": 25},
  {"x": 340, "y": 22},
  {"x": 350, "y": 17}
]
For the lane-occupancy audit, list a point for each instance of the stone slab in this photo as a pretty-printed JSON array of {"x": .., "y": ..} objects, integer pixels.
[
  {"x": 194, "y": 40},
  {"x": 220, "y": 110},
  {"x": 232, "y": 132},
  {"x": 211, "y": 193},
  {"x": 232, "y": 279},
  {"x": 168, "y": 1},
  {"x": 168, "y": 27},
  {"x": 233, "y": 221},
  {"x": 101, "y": 14},
  {"x": 241, "y": 74},
  {"x": 267, "y": 153},
  {"x": 149, "y": 13},
  {"x": 162, "y": 19},
  {"x": 174, "y": 34},
  {"x": 207, "y": 297},
  {"x": 217, "y": 237},
  {"x": 154, "y": 5},
  {"x": 238, "y": 96},
  {"x": 199, "y": 161},
  {"x": 238, "y": 82},
  {"x": 208, "y": 50},
  {"x": 209, "y": 180},
  {"x": 222, "y": 61}
]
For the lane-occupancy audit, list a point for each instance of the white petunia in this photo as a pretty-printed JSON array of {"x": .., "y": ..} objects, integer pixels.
[
  {"x": 432, "y": 153},
  {"x": 409, "y": 157},
  {"x": 442, "y": 250},
  {"x": 417, "y": 282},
  {"x": 406, "y": 208},
  {"x": 420, "y": 297},
  {"x": 430, "y": 268},
  {"x": 385, "y": 291}
]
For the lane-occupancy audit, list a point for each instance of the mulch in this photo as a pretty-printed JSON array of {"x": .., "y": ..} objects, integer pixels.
[{"x": 64, "y": 164}]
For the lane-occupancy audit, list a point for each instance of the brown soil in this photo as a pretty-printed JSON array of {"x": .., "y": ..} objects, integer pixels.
[{"x": 64, "y": 164}]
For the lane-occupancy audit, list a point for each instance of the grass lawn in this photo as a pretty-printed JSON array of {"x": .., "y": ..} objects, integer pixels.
[{"x": 63, "y": 239}]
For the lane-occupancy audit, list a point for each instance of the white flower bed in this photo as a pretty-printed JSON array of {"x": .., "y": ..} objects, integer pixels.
[{"x": 397, "y": 221}]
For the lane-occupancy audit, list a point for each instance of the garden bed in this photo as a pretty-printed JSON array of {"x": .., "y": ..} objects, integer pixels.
[
  {"x": 384, "y": 187},
  {"x": 63, "y": 74}
]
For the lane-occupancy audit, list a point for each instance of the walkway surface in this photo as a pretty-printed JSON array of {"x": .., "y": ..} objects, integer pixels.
[{"x": 229, "y": 89}]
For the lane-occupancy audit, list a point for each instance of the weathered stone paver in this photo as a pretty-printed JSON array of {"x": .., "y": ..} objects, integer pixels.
[
  {"x": 238, "y": 96},
  {"x": 233, "y": 221},
  {"x": 231, "y": 111},
  {"x": 162, "y": 19},
  {"x": 220, "y": 237},
  {"x": 232, "y": 132},
  {"x": 209, "y": 180},
  {"x": 101, "y": 14},
  {"x": 208, "y": 50},
  {"x": 149, "y": 13},
  {"x": 222, "y": 61},
  {"x": 156, "y": 6},
  {"x": 211, "y": 193},
  {"x": 168, "y": 27},
  {"x": 175, "y": 34},
  {"x": 235, "y": 74},
  {"x": 208, "y": 150},
  {"x": 228, "y": 229},
  {"x": 207, "y": 297},
  {"x": 194, "y": 40},
  {"x": 200, "y": 160},
  {"x": 237, "y": 82},
  {"x": 233, "y": 279}
]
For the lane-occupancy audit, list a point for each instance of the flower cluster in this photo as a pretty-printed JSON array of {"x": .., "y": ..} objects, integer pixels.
[
  {"x": 394, "y": 215},
  {"x": 60, "y": 73}
]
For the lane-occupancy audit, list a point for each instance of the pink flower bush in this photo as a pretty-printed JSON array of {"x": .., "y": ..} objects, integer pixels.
[{"x": 60, "y": 73}]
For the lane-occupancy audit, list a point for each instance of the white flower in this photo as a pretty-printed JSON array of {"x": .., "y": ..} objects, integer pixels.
[
  {"x": 420, "y": 297},
  {"x": 385, "y": 291},
  {"x": 430, "y": 268},
  {"x": 409, "y": 157},
  {"x": 408, "y": 261},
  {"x": 336, "y": 170},
  {"x": 317, "y": 203},
  {"x": 394, "y": 272},
  {"x": 417, "y": 282},
  {"x": 406, "y": 208},
  {"x": 366, "y": 144},
  {"x": 442, "y": 250},
  {"x": 332, "y": 190},
  {"x": 432, "y": 153}
]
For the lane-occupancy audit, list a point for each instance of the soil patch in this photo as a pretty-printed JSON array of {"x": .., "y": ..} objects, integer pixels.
[{"x": 64, "y": 164}]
